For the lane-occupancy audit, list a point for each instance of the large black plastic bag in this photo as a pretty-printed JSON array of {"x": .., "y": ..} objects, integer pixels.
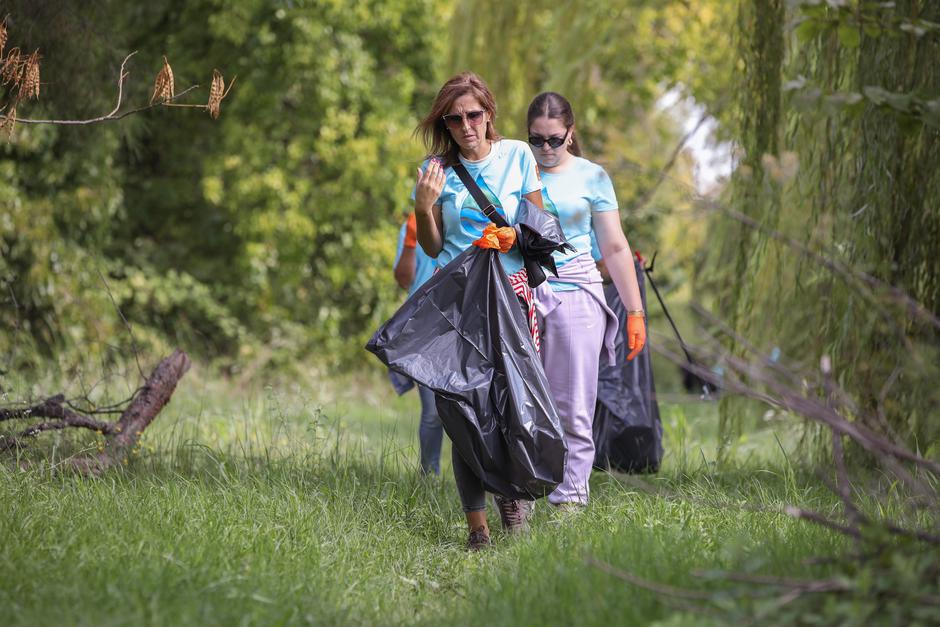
[
  {"x": 628, "y": 434},
  {"x": 538, "y": 235},
  {"x": 464, "y": 335}
]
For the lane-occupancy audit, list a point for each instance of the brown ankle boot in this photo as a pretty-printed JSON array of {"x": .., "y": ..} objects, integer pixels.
[
  {"x": 514, "y": 514},
  {"x": 479, "y": 539}
]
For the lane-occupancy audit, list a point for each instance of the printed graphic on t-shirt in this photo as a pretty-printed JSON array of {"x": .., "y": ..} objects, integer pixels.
[
  {"x": 472, "y": 219},
  {"x": 547, "y": 203}
]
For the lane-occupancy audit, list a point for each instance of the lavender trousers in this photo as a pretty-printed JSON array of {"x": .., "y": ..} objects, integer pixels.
[{"x": 572, "y": 339}]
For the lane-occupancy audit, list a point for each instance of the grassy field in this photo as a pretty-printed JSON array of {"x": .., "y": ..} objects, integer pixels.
[{"x": 292, "y": 506}]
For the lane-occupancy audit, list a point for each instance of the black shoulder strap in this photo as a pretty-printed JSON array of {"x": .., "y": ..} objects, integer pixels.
[{"x": 488, "y": 208}]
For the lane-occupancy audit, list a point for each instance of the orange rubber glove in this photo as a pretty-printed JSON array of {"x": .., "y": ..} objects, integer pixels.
[
  {"x": 411, "y": 232},
  {"x": 500, "y": 238},
  {"x": 636, "y": 334}
]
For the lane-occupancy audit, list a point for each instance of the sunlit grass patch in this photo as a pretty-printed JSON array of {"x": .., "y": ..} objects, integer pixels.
[{"x": 280, "y": 505}]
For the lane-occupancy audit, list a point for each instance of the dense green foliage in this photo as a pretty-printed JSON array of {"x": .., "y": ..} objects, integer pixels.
[
  {"x": 265, "y": 238},
  {"x": 271, "y": 229}
]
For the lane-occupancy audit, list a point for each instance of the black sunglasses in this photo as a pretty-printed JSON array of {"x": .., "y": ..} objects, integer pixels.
[
  {"x": 554, "y": 142},
  {"x": 456, "y": 119}
]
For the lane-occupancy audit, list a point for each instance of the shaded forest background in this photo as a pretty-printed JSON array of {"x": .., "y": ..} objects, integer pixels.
[{"x": 262, "y": 241}]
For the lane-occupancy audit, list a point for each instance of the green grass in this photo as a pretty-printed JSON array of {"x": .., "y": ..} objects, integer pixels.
[{"x": 284, "y": 506}]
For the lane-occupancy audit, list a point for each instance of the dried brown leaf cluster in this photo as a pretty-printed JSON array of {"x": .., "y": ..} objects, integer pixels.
[
  {"x": 9, "y": 121},
  {"x": 11, "y": 67},
  {"x": 163, "y": 87},
  {"x": 21, "y": 73},
  {"x": 29, "y": 86},
  {"x": 217, "y": 93},
  {"x": 20, "y": 76},
  {"x": 3, "y": 35}
]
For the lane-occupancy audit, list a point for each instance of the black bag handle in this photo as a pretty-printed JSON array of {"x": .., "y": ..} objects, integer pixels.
[{"x": 488, "y": 208}]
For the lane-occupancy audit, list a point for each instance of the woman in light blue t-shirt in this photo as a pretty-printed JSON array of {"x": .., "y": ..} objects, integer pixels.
[
  {"x": 574, "y": 320},
  {"x": 459, "y": 129}
]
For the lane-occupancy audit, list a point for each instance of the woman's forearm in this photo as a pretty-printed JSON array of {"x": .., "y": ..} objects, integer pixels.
[
  {"x": 535, "y": 198},
  {"x": 623, "y": 274},
  {"x": 618, "y": 258},
  {"x": 405, "y": 268},
  {"x": 430, "y": 231}
]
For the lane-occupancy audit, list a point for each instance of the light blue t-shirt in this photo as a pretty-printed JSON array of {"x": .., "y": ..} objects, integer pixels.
[
  {"x": 504, "y": 176},
  {"x": 573, "y": 195},
  {"x": 424, "y": 265}
]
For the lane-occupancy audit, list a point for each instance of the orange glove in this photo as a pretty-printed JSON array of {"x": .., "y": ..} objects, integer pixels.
[
  {"x": 500, "y": 238},
  {"x": 411, "y": 232},
  {"x": 636, "y": 334}
]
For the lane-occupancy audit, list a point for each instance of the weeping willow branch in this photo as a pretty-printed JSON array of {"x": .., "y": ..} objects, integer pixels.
[{"x": 841, "y": 268}]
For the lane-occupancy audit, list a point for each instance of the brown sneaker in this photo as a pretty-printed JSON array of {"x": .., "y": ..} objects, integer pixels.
[
  {"x": 479, "y": 539},
  {"x": 513, "y": 513}
]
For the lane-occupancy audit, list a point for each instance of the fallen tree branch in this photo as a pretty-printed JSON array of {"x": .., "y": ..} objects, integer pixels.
[
  {"x": 54, "y": 407},
  {"x": 120, "y": 436},
  {"x": 154, "y": 395}
]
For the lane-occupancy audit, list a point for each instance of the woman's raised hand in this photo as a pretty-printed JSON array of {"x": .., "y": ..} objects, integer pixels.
[{"x": 428, "y": 186}]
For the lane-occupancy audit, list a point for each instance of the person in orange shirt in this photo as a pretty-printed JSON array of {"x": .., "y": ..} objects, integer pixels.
[{"x": 412, "y": 268}]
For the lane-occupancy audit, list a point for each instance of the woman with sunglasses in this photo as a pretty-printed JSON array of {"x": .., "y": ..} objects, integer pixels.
[
  {"x": 574, "y": 321},
  {"x": 460, "y": 129}
]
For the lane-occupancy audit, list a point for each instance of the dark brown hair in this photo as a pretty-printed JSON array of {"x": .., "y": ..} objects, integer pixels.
[
  {"x": 549, "y": 104},
  {"x": 434, "y": 133}
]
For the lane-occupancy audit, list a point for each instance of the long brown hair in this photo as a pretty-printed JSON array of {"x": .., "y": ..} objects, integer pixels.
[
  {"x": 549, "y": 104},
  {"x": 437, "y": 139}
]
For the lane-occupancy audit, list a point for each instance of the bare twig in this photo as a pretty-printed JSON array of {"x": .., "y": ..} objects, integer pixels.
[
  {"x": 127, "y": 325},
  {"x": 838, "y": 267},
  {"x": 662, "y": 175},
  {"x": 819, "y": 519},
  {"x": 779, "y": 395},
  {"x": 844, "y": 489},
  {"x": 809, "y": 585},
  {"x": 62, "y": 416},
  {"x": 113, "y": 115},
  {"x": 114, "y": 408},
  {"x": 834, "y": 265},
  {"x": 646, "y": 584}
]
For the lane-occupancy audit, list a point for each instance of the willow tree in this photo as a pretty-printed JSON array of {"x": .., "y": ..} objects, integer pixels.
[{"x": 839, "y": 125}]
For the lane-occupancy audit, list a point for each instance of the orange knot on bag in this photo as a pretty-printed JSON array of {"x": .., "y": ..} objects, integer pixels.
[{"x": 500, "y": 238}]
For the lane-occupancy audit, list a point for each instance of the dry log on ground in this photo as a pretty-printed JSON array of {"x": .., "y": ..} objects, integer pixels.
[{"x": 120, "y": 436}]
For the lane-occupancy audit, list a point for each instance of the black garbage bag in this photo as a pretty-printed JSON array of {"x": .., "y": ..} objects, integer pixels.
[
  {"x": 464, "y": 335},
  {"x": 628, "y": 433},
  {"x": 538, "y": 235}
]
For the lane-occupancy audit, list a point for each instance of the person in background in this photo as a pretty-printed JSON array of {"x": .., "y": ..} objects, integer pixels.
[
  {"x": 412, "y": 268},
  {"x": 574, "y": 320}
]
